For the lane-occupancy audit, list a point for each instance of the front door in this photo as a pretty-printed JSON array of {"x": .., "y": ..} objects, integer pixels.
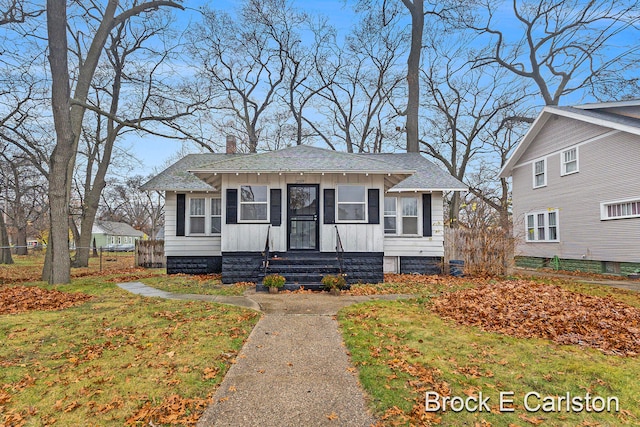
[{"x": 303, "y": 230}]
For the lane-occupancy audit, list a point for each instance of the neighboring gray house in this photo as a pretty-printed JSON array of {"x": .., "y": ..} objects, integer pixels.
[
  {"x": 303, "y": 212},
  {"x": 576, "y": 188},
  {"x": 114, "y": 236}
]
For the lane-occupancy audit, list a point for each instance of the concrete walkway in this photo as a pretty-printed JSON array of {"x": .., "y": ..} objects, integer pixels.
[{"x": 293, "y": 370}]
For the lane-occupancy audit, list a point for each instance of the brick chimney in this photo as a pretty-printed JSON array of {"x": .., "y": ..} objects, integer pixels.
[{"x": 231, "y": 144}]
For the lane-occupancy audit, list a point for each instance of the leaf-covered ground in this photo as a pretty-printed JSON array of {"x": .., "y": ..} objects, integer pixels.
[
  {"x": 18, "y": 299},
  {"x": 527, "y": 309}
]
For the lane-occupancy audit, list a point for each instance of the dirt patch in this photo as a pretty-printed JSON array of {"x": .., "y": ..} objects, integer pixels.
[
  {"x": 528, "y": 309},
  {"x": 18, "y": 299}
]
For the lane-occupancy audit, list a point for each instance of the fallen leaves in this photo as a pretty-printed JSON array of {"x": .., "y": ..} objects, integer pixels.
[
  {"x": 18, "y": 299},
  {"x": 173, "y": 409},
  {"x": 527, "y": 309}
]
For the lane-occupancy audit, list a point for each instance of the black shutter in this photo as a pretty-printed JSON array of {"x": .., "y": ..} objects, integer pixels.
[
  {"x": 427, "y": 229},
  {"x": 373, "y": 205},
  {"x": 276, "y": 206},
  {"x": 329, "y": 206},
  {"x": 181, "y": 204},
  {"x": 232, "y": 206}
]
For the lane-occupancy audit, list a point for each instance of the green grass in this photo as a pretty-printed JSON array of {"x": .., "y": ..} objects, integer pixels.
[
  {"x": 203, "y": 285},
  {"x": 397, "y": 345},
  {"x": 102, "y": 361}
]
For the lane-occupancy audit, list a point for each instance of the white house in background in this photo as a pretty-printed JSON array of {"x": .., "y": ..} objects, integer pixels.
[
  {"x": 303, "y": 212},
  {"x": 576, "y": 188}
]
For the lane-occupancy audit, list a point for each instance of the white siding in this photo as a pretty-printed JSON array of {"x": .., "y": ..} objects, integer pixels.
[
  {"x": 185, "y": 245},
  {"x": 608, "y": 170},
  {"x": 418, "y": 245}
]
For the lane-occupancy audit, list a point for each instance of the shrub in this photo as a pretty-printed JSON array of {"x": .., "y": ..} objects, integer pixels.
[
  {"x": 334, "y": 281},
  {"x": 274, "y": 281}
]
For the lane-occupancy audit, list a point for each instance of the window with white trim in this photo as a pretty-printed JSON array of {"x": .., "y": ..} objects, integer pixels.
[
  {"x": 390, "y": 215},
  {"x": 196, "y": 215},
  {"x": 620, "y": 209},
  {"x": 409, "y": 215},
  {"x": 542, "y": 226},
  {"x": 254, "y": 202},
  {"x": 569, "y": 160},
  {"x": 539, "y": 173},
  {"x": 216, "y": 216},
  {"x": 352, "y": 203}
]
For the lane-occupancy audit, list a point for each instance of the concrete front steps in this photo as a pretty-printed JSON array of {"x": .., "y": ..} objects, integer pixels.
[{"x": 302, "y": 269}]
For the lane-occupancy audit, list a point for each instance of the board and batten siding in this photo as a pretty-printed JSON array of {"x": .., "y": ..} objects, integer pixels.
[
  {"x": 608, "y": 171},
  {"x": 251, "y": 237},
  {"x": 432, "y": 246},
  {"x": 185, "y": 245}
]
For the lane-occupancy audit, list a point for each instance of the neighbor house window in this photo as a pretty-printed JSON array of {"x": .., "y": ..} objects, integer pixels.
[
  {"x": 216, "y": 216},
  {"x": 390, "y": 215},
  {"x": 620, "y": 209},
  {"x": 569, "y": 161},
  {"x": 542, "y": 226},
  {"x": 539, "y": 173},
  {"x": 409, "y": 215},
  {"x": 196, "y": 215},
  {"x": 351, "y": 203},
  {"x": 253, "y": 203}
]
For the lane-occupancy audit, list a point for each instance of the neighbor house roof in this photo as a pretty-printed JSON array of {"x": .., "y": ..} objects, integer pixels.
[
  {"x": 115, "y": 229},
  {"x": 403, "y": 171},
  {"x": 601, "y": 114}
]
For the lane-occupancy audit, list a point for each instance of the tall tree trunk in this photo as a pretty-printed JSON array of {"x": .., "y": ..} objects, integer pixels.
[
  {"x": 5, "y": 251},
  {"x": 63, "y": 153},
  {"x": 416, "y": 8},
  {"x": 21, "y": 241}
]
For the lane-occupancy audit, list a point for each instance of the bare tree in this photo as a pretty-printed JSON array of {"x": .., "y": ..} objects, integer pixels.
[
  {"x": 245, "y": 59},
  {"x": 68, "y": 112},
  {"x": 360, "y": 81},
  {"x": 18, "y": 11},
  {"x": 563, "y": 47}
]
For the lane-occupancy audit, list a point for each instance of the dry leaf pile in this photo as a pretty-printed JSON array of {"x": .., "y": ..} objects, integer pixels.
[
  {"x": 18, "y": 299},
  {"x": 528, "y": 309}
]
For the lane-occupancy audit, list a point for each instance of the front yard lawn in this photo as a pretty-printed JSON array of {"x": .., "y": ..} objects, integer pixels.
[
  {"x": 403, "y": 349},
  {"x": 206, "y": 284},
  {"x": 116, "y": 358}
]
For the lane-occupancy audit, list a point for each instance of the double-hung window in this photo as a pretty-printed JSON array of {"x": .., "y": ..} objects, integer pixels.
[
  {"x": 253, "y": 202},
  {"x": 197, "y": 215},
  {"x": 216, "y": 216},
  {"x": 390, "y": 215},
  {"x": 409, "y": 215},
  {"x": 352, "y": 203},
  {"x": 539, "y": 173},
  {"x": 542, "y": 226},
  {"x": 569, "y": 161}
]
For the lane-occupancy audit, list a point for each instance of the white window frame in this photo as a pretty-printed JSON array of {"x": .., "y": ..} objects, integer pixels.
[
  {"x": 546, "y": 227},
  {"x": 212, "y": 215},
  {"x": 564, "y": 163},
  {"x": 389, "y": 214},
  {"x": 626, "y": 208},
  {"x": 207, "y": 215},
  {"x": 203, "y": 215},
  {"x": 544, "y": 172},
  {"x": 416, "y": 216},
  {"x": 363, "y": 203},
  {"x": 241, "y": 203}
]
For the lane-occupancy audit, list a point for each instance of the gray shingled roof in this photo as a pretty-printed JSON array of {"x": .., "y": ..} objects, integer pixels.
[
  {"x": 177, "y": 178},
  {"x": 118, "y": 229},
  {"x": 303, "y": 158},
  {"x": 421, "y": 173},
  {"x": 428, "y": 176}
]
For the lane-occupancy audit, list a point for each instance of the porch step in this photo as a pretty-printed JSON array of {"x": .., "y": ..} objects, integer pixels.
[
  {"x": 304, "y": 269},
  {"x": 294, "y": 287}
]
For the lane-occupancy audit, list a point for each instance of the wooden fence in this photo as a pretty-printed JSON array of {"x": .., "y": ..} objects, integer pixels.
[
  {"x": 485, "y": 251},
  {"x": 150, "y": 254}
]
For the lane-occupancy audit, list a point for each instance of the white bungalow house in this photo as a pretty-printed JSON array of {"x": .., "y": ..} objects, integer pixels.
[
  {"x": 303, "y": 212},
  {"x": 576, "y": 188}
]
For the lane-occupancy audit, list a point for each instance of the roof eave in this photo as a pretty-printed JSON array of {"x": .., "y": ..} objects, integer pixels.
[
  {"x": 304, "y": 171},
  {"x": 423, "y": 190}
]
